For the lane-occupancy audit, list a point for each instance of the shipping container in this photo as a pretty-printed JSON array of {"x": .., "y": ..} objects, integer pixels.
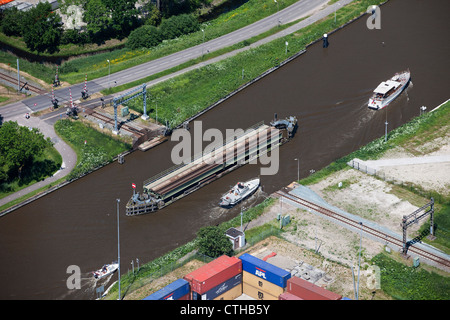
[
  {"x": 219, "y": 289},
  {"x": 257, "y": 293},
  {"x": 186, "y": 297},
  {"x": 265, "y": 270},
  {"x": 174, "y": 291},
  {"x": 288, "y": 296},
  {"x": 309, "y": 291},
  {"x": 213, "y": 273},
  {"x": 231, "y": 294},
  {"x": 262, "y": 284}
]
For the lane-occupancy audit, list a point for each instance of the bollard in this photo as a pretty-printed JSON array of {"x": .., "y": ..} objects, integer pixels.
[{"x": 325, "y": 40}]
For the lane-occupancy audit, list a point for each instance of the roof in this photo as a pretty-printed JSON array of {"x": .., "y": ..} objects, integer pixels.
[
  {"x": 234, "y": 233},
  {"x": 385, "y": 86},
  {"x": 2, "y": 2}
]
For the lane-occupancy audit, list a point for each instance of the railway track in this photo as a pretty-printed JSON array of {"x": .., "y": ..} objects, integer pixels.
[
  {"x": 28, "y": 86},
  {"x": 125, "y": 127},
  {"x": 379, "y": 235}
]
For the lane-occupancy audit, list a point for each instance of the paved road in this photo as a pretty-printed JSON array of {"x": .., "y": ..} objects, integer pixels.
[
  {"x": 313, "y": 9},
  {"x": 296, "y": 11}
]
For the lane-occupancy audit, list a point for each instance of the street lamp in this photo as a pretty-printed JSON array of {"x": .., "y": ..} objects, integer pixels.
[
  {"x": 286, "y": 46},
  {"x": 109, "y": 73},
  {"x": 118, "y": 241},
  {"x": 203, "y": 44},
  {"x": 335, "y": 7},
  {"x": 298, "y": 168}
]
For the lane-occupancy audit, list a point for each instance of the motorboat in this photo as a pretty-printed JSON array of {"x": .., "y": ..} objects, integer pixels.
[
  {"x": 388, "y": 90},
  {"x": 238, "y": 193},
  {"x": 106, "y": 270}
]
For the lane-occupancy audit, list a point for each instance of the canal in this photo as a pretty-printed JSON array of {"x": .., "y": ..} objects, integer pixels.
[{"x": 327, "y": 89}]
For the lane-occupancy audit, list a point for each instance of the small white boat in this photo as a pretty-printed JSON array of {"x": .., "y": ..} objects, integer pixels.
[
  {"x": 238, "y": 193},
  {"x": 388, "y": 90},
  {"x": 107, "y": 269}
]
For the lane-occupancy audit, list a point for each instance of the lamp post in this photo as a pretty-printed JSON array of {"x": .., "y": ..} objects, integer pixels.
[
  {"x": 203, "y": 43},
  {"x": 335, "y": 8},
  {"x": 118, "y": 242},
  {"x": 109, "y": 73},
  {"x": 298, "y": 168},
  {"x": 286, "y": 46}
]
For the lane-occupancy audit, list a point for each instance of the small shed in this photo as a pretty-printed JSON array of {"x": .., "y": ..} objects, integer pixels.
[{"x": 236, "y": 237}]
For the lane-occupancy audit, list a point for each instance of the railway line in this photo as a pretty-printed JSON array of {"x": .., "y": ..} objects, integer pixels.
[
  {"x": 110, "y": 121},
  {"x": 373, "y": 232},
  {"x": 26, "y": 85}
]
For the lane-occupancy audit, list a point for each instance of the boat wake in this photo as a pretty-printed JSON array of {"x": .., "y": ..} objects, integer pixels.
[{"x": 216, "y": 211}]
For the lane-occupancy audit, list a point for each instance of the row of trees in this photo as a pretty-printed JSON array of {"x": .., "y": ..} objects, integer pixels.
[{"x": 42, "y": 30}]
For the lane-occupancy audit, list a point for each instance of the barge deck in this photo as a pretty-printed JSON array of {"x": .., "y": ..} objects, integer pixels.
[{"x": 183, "y": 179}]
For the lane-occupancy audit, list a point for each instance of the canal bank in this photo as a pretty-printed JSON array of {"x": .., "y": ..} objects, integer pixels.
[
  {"x": 328, "y": 90},
  {"x": 316, "y": 17},
  {"x": 308, "y": 229}
]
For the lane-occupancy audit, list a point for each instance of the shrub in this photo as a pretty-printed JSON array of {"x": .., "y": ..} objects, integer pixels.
[
  {"x": 145, "y": 36},
  {"x": 178, "y": 25}
]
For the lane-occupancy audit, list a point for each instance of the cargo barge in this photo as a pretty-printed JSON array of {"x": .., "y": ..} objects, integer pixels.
[{"x": 181, "y": 180}]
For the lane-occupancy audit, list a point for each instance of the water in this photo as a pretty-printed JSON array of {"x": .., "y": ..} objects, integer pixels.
[{"x": 327, "y": 89}]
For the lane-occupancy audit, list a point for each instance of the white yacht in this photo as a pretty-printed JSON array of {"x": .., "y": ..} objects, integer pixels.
[
  {"x": 388, "y": 90},
  {"x": 238, "y": 193}
]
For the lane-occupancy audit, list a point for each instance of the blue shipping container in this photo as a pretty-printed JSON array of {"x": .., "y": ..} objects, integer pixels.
[
  {"x": 265, "y": 270},
  {"x": 219, "y": 289},
  {"x": 177, "y": 289}
]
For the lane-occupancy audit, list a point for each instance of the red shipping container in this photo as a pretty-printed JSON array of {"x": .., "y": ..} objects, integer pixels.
[
  {"x": 288, "y": 296},
  {"x": 214, "y": 273},
  {"x": 309, "y": 291}
]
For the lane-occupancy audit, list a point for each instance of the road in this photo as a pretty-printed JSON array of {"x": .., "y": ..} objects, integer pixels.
[
  {"x": 294, "y": 12},
  {"x": 314, "y": 10}
]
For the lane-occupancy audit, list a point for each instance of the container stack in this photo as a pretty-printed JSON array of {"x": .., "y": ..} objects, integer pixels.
[
  {"x": 262, "y": 280},
  {"x": 177, "y": 290},
  {"x": 221, "y": 279},
  {"x": 309, "y": 291}
]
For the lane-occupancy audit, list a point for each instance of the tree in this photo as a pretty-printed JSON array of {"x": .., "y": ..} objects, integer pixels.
[
  {"x": 145, "y": 36},
  {"x": 123, "y": 15},
  {"x": 11, "y": 22},
  {"x": 213, "y": 242},
  {"x": 42, "y": 28},
  {"x": 178, "y": 25},
  {"x": 19, "y": 146},
  {"x": 96, "y": 16}
]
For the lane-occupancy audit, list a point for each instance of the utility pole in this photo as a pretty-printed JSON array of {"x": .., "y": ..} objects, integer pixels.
[
  {"x": 18, "y": 77},
  {"x": 118, "y": 243}
]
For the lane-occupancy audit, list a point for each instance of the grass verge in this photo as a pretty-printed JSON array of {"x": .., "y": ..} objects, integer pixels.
[
  {"x": 184, "y": 96},
  {"x": 93, "y": 148}
]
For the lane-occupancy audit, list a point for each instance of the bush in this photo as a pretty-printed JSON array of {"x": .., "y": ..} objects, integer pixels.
[
  {"x": 145, "y": 36},
  {"x": 74, "y": 36},
  {"x": 213, "y": 242},
  {"x": 178, "y": 25}
]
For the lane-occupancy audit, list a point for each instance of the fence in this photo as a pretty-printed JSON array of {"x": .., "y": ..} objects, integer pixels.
[{"x": 404, "y": 184}]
